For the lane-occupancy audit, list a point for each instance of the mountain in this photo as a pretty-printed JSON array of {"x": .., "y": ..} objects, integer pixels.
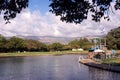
[{"x": 52, "y": 39}]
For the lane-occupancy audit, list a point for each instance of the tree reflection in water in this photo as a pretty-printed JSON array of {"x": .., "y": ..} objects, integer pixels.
[{"x": 98, "y": 74}]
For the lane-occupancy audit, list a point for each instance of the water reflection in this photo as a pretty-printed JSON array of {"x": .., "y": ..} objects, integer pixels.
[
  {"x": 64, "y": 67},
  {"x": 98, "y": 74}
]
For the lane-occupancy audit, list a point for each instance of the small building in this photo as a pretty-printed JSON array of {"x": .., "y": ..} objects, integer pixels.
[
  {"x": 74, "y": 49},
  {"x": 80, "y": 49}
]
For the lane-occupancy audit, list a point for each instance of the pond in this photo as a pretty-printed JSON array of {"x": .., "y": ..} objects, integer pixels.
[{"x": 65, "y": 67}]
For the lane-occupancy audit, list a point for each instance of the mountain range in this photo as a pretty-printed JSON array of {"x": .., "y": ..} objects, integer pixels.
[{"x": 52, "y": 39}]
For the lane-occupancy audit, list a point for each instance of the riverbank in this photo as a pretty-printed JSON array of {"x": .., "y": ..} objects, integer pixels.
[
  {"x": 54, "y": 53},
  {"x": 25, "y": 54},
  {"x": 99, "y": 65},
  {"x": 112, "y": 61}
]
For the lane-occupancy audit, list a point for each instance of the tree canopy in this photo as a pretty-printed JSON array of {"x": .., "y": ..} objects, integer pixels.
[
  {"x": 81, "y": 43},
  {"x": 56, "y": 46},
  {"x": 113, "y": 39},
  {"x": 9, "y": 8},
  {"x": 75, "y": 11}
]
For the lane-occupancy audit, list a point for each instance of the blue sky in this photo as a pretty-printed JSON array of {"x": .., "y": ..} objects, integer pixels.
[{"x": 42, "y": 5}]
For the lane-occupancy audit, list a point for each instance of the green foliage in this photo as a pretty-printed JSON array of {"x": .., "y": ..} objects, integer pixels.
[
  {"x": 112, "y": 61},
  {"x": 12, "y": 7},
  {"x": 2, "y": 43},
  {"x": 56, "y": 47},
  {"x": 16, "y": 44},
  {"x": 81, "y": 43},
  {"x": 74, "y": 44},
  {"x": 85, "y": 43},
  {"x": 70, "y": 10},
  {"x": 31, "y": 45},
  {"x": 113, "y": 39},
  {"x": 75, "y": 11},
  {"x": 67, "y": 47},
  {"x": 34, "y": 45}
]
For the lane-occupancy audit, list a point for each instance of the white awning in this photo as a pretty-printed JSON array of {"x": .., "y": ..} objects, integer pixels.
[{"x": 98, "y": 50}]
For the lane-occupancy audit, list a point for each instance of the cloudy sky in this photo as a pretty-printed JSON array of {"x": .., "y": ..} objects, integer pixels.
[{"x": 36, "y": 20}]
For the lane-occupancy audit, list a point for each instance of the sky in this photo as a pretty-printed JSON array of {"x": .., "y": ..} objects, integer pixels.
[{"x": 36, "y": 20}]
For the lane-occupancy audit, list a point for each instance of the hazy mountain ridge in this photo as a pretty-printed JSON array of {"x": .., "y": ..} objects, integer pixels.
[{"x": 52, "y": 39}]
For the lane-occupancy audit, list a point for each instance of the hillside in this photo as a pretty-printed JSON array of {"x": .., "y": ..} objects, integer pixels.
[{"x": 52, "y": 39}]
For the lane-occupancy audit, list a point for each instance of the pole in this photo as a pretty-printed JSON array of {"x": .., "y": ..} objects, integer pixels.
[
  {"x": 100, "y": 44},
  {"x": 95, "y": 42},
  {"x": 105, "y": 42}
]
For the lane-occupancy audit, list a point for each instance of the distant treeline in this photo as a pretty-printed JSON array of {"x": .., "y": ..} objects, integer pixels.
[
  {"x": 113, "y": 39},
  {"x": 15, "y": 44}
]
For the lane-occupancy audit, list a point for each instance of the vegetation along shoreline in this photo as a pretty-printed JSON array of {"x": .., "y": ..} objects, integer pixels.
[{"x": 30, "y": 54}]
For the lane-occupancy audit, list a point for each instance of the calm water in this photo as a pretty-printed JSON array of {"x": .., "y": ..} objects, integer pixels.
[{"x": 64, "y": 67}]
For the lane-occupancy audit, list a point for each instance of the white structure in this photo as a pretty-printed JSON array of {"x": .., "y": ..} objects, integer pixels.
[
  {"x": 74, "y": 49},
  {"x": 99, "y": 50},
  {"x": 80, "y": 49}
]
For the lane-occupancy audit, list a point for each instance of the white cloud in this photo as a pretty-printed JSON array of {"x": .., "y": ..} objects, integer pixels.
[{"x": 34, "y": 24}]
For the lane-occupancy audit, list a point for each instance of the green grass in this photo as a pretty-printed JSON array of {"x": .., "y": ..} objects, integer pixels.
[
  {"x": 15, "y": 54},
  {"x": 74, "y": 52},
  {"x": 117, "y": 52},
  {"x": 45, "y": 53},
  {"x": 113, "y": 61}
]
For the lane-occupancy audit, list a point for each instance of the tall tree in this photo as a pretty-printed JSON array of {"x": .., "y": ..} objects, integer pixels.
[
  {"x": 16, "y": 44},
  {"x": 113, "y": 39},
  {"x": 85, "y": 43},
  {"x": 81, "y": 43},
  {"x": 34, "y": 45},
  {"x": 77, "y": 10},
  {"x": 31, "y": 45},
  {"x": 2, "y": 43},
  {"x": 11, "y": 7},
  {"x": 56, "y": 46},
  {"x": 74, "y": 44}
]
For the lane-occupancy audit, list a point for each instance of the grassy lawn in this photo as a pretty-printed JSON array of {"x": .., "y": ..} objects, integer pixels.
[
  {"x": 45, "y": 53},
  {"x": 117, "y": 52},
  {"x": 40, "y": 53},
  {"x": 113, "y": 61}
]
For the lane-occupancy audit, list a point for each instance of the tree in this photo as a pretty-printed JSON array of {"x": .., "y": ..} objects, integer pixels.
[
  {"x": 85, "y": 43},
  {"x": 34, "y": 45},
  {"x": 74, "y": 44},
  {"x": 67, "y": 47},
  {"x": 31, "y": 45},
  {"x": 77, "y": 10},
  {"x": 113, "y": 39},
  {"x": 11, "y": 7},
  {"x": 81, "y": 43},
  {"x": 16, "y": 44},
  {"x": 2, "y": 43},
  {"x": 56, "y": 46}
]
